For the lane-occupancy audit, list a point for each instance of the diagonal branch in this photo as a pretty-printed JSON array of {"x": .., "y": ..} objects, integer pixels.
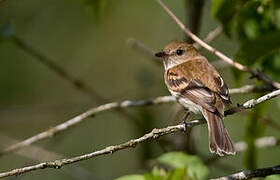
[
  {"x": 141, "y": 47},
  {"x": 155, "y": 133},
  {"x": 114, "y": 105},
  {"x": 256, "y": 74},
  {"x": 248, "y": 174},
  {"x": 38, "y": 154},
  {"x": 79, "y": 84}
]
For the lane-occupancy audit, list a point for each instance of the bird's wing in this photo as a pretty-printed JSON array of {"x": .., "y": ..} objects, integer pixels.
[
  {"x": 222, "y": 89},
  {"x": 192, "y": 89}
]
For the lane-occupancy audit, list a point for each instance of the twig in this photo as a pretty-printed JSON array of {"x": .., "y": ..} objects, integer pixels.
[
  {"x": 248, "y": 174},
  {"x": 155, "y": 133},
  {"x": 59, "y": 70},
  {"x": 212, "y": 35},
  {"x": 256, "y": 74},
  {"x": 141, "y": 47},
  {"x": 268, "y": 141},
  {"x": 75, "y": 82},
  {"x": 193, "y": 15},
  {"x": 93, "y": 111},
  {"x": 250, "y": 88},
  {"x": 251, "y": 103},
  {"x": 40, "y": 154}
]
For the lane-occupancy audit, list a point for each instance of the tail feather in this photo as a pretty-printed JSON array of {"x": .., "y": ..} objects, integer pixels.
[{"x": 219, "y": 139}]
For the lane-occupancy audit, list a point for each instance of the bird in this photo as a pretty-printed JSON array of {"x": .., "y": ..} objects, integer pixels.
[{"x": 200, "y": 89}]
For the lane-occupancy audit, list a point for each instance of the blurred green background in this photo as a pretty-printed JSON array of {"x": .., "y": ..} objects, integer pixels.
[{"x": 89, "y": 39}]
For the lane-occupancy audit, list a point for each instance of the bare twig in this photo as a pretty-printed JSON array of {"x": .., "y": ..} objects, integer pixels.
[
  {"x": 257, "y": 74},
  {"x": 141, "y": 47},
  {"x": 61, "y": 127},
  {"x": 251, "y": 103},
  {"x": 59, "y": 70},
  {"x": 155, "y": 133},
  {"x": 193, "y": 15},
  {"x": 212, "y": 35},
  {"x": 93, "y": 111},
  {"x": 75, "y": 82},
  {"x": 250, "y": 88},
  {"x": 248, "y": 174},
  {"x": 267, "y": 141},
  {"x": 40, "y": 154}
]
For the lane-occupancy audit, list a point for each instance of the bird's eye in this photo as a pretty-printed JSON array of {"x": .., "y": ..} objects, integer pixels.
[{"x": 180, "y": 52}]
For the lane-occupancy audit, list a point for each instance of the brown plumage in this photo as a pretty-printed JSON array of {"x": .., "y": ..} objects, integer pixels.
[{"x": 200, "y": 88}]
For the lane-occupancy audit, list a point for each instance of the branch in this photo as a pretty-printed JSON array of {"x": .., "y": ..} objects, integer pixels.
[
  {"x": 141, "y": 47},
  {"x": 267, "y": 141},
  {"x": 155, "y": 133},
  {"x": 114, "y": 105},
  {"x": 247, "y": 174},
  {"x": 40, "y": 154},
  {"x": 79, "y": 84},
  {"x": 251, "y": 103},
  {"x": 258, "y": 74}
]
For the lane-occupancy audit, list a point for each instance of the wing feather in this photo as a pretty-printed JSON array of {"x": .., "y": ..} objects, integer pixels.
[{"x": 192, "y": 89}]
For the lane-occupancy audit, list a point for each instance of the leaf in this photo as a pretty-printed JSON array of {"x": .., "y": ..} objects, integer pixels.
[
  {"x": 131, "y": 177},
  {"x": 176, "y": 174},
  {"x": 193, "y": 165},
  {"x": 253, "y": 50}
]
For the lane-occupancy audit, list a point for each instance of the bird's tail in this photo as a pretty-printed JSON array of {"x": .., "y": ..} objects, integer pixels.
[{"x": 219, "y": 140}]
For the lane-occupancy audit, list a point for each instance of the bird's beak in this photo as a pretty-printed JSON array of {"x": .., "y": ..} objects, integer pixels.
[{"x": 161, "y": 54}]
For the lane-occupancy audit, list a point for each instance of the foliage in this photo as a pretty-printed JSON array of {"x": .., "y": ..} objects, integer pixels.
[
  {"x": 256, "y": 24},
  {"x": 174, "y": 166}
]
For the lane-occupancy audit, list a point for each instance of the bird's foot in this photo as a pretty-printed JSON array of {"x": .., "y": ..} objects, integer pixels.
[{"x": 184, "y": 121}]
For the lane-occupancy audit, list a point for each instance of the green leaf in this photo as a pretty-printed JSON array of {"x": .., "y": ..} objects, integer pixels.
[
  {"x": 273, "y": 177},
  {"x": 193, "y": 165},
  {"x": 253, "y": 50},
  {"x": 131, "y": 177},
  {"x": 176, "y": 174}
]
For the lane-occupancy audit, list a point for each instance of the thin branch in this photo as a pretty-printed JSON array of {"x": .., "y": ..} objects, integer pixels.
[
  {"x": 59, "y": 70},
  {"x": 124, "y": 104},
  {"x": 141, "y": 47},
  {"x": 250, "y": 88},
  {"x": 248, "y": 174},
  {"x": 211, "y": 36},
  {"x": 263, "y": 142},
  {"x": 155, "y": 133},
  {"x": 258, "y": 74},
  {"x": 193, "y": 15},
  {"x": 64, "y": 74},
  {"x": 40, "y": 154},
  {"x": 251, "y": 103}
]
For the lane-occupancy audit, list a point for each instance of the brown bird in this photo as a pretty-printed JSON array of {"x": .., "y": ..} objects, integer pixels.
[{"x": 200, "y": 89}]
